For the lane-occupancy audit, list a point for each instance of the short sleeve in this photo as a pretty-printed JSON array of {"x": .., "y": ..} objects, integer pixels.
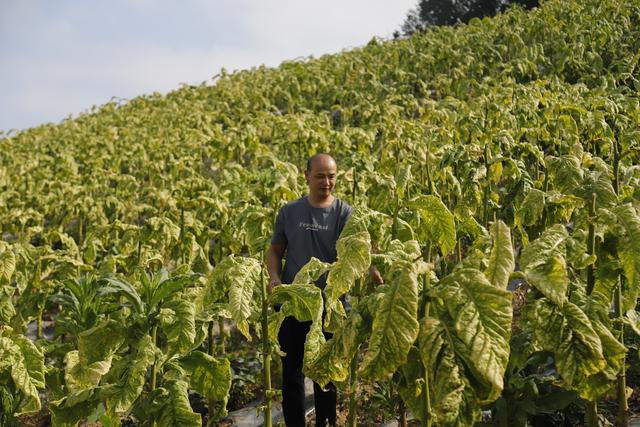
[{"x": 278, "y": 229}]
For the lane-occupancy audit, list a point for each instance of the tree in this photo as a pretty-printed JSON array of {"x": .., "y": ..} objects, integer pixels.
[{"x": 449, "y": 12}]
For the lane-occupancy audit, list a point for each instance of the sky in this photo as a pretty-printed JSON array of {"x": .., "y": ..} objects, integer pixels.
[{"x": 59, "y": 58}]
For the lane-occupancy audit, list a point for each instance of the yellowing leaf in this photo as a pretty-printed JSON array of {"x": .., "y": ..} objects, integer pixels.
[
  {"x": 395, "y": 324},
  {"x": 478, "y": 315},
  {"x": 501, "y": 262},
  {"x": 437, "y": 221}
]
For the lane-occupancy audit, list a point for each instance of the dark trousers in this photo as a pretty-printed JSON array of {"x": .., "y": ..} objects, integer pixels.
[{"x": 291, "y": 337}]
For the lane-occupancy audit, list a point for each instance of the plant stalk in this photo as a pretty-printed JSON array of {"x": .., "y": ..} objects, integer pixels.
[
  {"x": 394, "y": 226},
  {"x": 424, "y": 307},
  {"x": 154, "y": 368},
  {"x": 353, "y": 372},
  {"x": 211, "y": 350},
  {"x": 353, "y": 382},
  {"x": 591, "y": 414},
  {"x": 622, "y": 418},
  {"x": 487, "y": 189},
  {"x": 39, "y": 323},
  {"x": 223, "y": 336},
  {"x": 402, "y": 410},
  {"x": 266, "y": 353},
  {"x": 428, "y": 170},
  {"x": 591, "y": 244}
]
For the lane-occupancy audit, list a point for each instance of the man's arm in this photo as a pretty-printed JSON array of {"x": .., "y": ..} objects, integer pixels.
[
  {"x": 275, "y": 253},
  {"x": 375, "y": 275}
]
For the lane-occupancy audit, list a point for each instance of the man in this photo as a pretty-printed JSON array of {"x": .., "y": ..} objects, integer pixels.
[{"x": 305, "y": 228}]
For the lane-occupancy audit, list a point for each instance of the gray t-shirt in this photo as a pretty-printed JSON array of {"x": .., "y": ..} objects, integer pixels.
[{"x": 309, "y": 232}]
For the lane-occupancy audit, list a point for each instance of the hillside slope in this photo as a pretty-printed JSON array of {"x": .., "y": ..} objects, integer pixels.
[{"x": 508, "y": 143}]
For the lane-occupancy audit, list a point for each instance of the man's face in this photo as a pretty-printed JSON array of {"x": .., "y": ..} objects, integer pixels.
[{"x": 322, "y": 177}]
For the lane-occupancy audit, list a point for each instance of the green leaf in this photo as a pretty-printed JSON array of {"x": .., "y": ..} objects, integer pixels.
[
  {"x": 598, "y": 183},
  {"x": 7, "y": 310},
  {"x": 242, "y": 277},
  {"x": 501, "y": 262},
  {"x": 402, "y": 178},
  {"x": 128, "y": 376},
  {"x": 568, "y": 333},
  {"x": 629, "y": 253},
  {"x": 453, "y": 399},
  {"x": 395, "y": 324},
  {"x": 530, "y": 211},
  {"x": 100, "y": 342},
  {"x": 7, "y": 265},
  {"x": 566, "y": 173},
  {"x": 478, "y": 315},
  {"x": 614, "y": 352},
  {"x": 25, "y": 363},
  {"x": 632, "y": 318},
  {"x": 117, "y": 286},
  {"x": 209, "y": 376},
  {"x": 437, "y": 222},
  {"x": 176, "y": 410},
  {"x": 177, "y": 319},
  {"x": 81, "y": 377},
  {"x": 167, "y": 288},
  {"x": 311, "y": 271},
  {"x": 304, "y": 302},
  {"x": 217, "y": 284},
  {"x": 353, "y": 261},
  {"x": 544, "y": 264},
  {"x": 334, "y": 356},
  {"x": 410, "y": 384},
  {"x": 577, "y": 255},
  {"x": 74, "y": 407}
]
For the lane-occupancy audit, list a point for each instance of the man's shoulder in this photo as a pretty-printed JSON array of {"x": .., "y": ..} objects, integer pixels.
[
  {"x": 343, "y": 207},
  {"x": 301, "y": 203},
  {"x": 295, "y": 204}
]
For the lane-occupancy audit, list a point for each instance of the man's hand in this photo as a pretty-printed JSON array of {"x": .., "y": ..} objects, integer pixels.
[
  {"x": 272, "y": 284},
  {"x": 274, "y": 264},
  {"x": 375, "y": 275}
]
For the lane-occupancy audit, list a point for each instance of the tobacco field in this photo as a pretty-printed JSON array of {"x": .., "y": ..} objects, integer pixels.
[{"x": 494, "y": 171}]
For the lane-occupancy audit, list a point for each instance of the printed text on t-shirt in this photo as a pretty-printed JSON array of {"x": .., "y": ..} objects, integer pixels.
[{"x": 313, "y": 226}]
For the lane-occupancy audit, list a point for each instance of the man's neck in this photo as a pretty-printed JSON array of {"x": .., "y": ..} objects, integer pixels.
[{"x": 321, "y": 202}]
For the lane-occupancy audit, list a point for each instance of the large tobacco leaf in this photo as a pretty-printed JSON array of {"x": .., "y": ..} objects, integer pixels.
[
  {"x": 175, "y": 409},
  {"x": 304, "y": 302},
  {"x": 239, "y": 276},
  {"x": 477, "y": 316},
  {"x": 79, "y": 376},
  {"x": 209, "y": 376},
  {"x": 7, "y": 263},
  {"x": 334, "y": 357},
  {"x": 501, "y": 261},
  {"x": 543, "y": 262},
  {"x": 177, "y": 319},
  {"x": 438, "y": 223},
  {"x": 353, "y": 260},
  {"x": 629, "y": 253},
  {"x": 454, "y": 401},
  {"x": 575, "y": 342},
  {"x": 24, "y": 362},
  {"x": 127, "y": 377},
  {"x": 395, "y": 324}
]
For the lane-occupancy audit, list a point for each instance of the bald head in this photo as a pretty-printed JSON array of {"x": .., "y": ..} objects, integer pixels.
[
  {"x": 319, "y": 158},
  {"x": 321, "y": 176}
]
